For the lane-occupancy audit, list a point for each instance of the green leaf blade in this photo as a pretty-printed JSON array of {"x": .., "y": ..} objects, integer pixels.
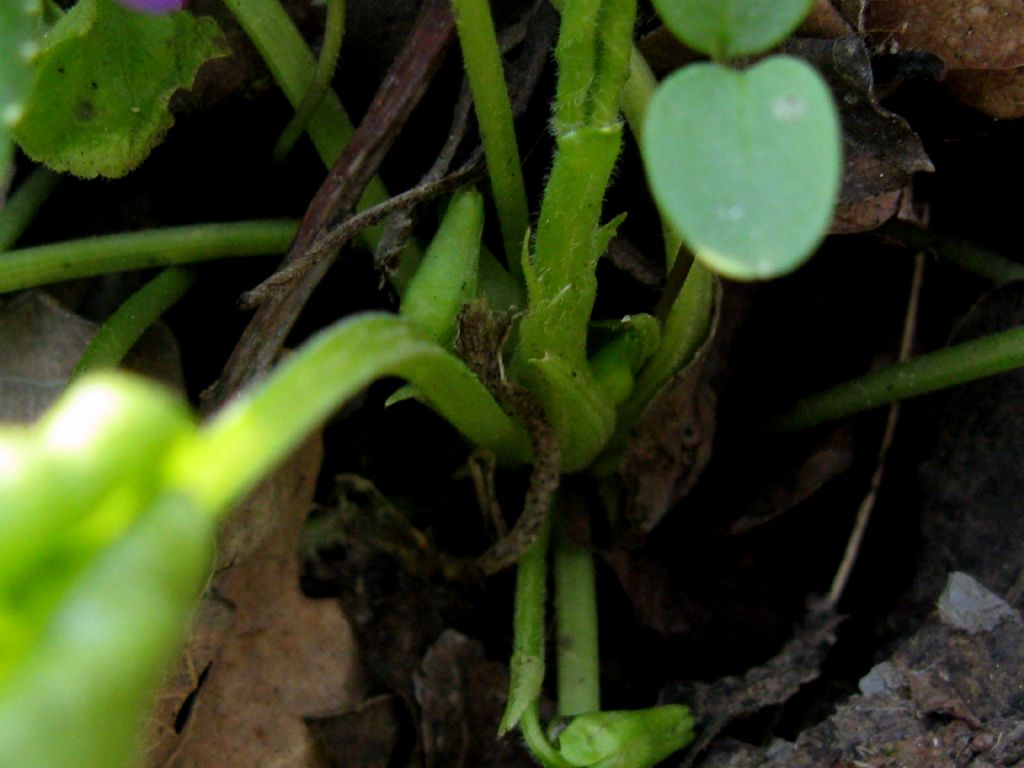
[
  {"x": 746, "y": 165},
  {"x": 726, "y": 29},
  {"x": 261, "y": 426},
  {"x": 104, "y": 79}
]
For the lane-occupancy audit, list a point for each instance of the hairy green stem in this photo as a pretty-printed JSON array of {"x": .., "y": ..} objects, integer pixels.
[
  {"x": 527, "y": 666},
  {"x": 482, "y": 59},
  {"x": 615, "y": 46},
  {"x": 561, "y": 284},
  {"x": 23, "y": 205},
  {"x": 579, "y": 678},
  {"x": 944, "y": 368},
  {"x": 125, "y": 327},
  {"x": 576, "y": 53},
  {"x": 637, "y": 91},
  {"x": 334, "y": 30},
  {"x": 526, "y": 669},
  {"x": 255, "y": 432},
  {"x": 174, "y": 246}
]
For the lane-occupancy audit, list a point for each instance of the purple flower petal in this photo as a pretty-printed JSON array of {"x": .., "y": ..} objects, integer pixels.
[{"x": 154, "y": 6}]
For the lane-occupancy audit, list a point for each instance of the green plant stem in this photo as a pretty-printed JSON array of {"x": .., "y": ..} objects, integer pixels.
[
  {"x": 326, "y": 63},
  {"x": 615, "y": 46},
  {"x": 125, "y": 327},
  {"x": 294, "y": 69},
  {"x": 537, "y": 741},
  {"x": 174, "y": 246},
  {"x": 637, "y": 91},
  {"x": 23, "y": 205},
  {"x": 527, "y": 667},
  {"x": 972, "y": 258},
  {"x": 558, "y": 319},
  {"x": 258, "y": 429},
  {"x": 944, "y": 368},
  {"x": 579, "y": 678},
  {"x": 576, "y": 53},
  {"x": 683, "y": 332},
  {"x": 482, "y": 59}
]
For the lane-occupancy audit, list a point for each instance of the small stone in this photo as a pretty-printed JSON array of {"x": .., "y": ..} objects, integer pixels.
[{"x": 967, "y": 605}]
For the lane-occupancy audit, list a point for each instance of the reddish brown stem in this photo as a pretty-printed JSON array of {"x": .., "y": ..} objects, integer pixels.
[{"x": 403, "y": 87}]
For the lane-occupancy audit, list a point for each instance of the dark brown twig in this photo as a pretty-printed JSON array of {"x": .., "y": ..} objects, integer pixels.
[
  {"x": 336, "y": 237},
  {"x": 399, "y": 226},
  {"x": 402, "y": 89},
  {"x": 535, "y": 32}
]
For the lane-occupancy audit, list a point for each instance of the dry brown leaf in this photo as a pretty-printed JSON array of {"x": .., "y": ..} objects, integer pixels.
[
  {"x": 671, "y": 442},
  {"x": 387, "y": 576},
  {"x": 41, "y": 342},
  {"x": 996, "y": 92},
  {"x": 461, "y": 696},
  {"x": 854, "y": 12},
  {"x": 867, "y": 214},
  {"x": 246, "y": 528},
  {"x": 796, "y": 478},
  {"x": 284, "y": 657},
  {"x": 824, "y": 21},
  {"x": 364, "y": 737},
  {"x": 981, "y": 42},
  {"x": 881, "y": 152},
  {"x": 966, "y": 34}
]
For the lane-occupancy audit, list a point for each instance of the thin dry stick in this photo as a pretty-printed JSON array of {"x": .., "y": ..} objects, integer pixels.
[
  {"x": 868, "y": 504},
  {"x": 403, "y": 87},
  {"x": 327, "y": 243}
]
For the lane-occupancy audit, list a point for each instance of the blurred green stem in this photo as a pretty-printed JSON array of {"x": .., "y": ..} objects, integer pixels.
[
  {"x": 944, "y": 368},
  {"x": 23, "y": 205},
  {"x": 981, "y": 261},
  {"x": 334, "y": 30},
  {"x": 579, "y": 675},
  {"x": 174, "y": 246},
  {"x": 125, "y": 327},
  {"x": 482, "y": 59}
]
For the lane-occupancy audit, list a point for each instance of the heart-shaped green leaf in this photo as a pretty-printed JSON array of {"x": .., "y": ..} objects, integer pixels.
[
  {"x": 746, "y": 165},
  {"x": 728, "y": 28}
]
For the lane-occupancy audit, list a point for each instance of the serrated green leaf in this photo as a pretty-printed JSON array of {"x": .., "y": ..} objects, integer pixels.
[
  {"x": 746, "y": 165},
  {"x": 104, "y": 79},
  {"x": 19, "y": 33},
  {"x": 725, "y": 29}
]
